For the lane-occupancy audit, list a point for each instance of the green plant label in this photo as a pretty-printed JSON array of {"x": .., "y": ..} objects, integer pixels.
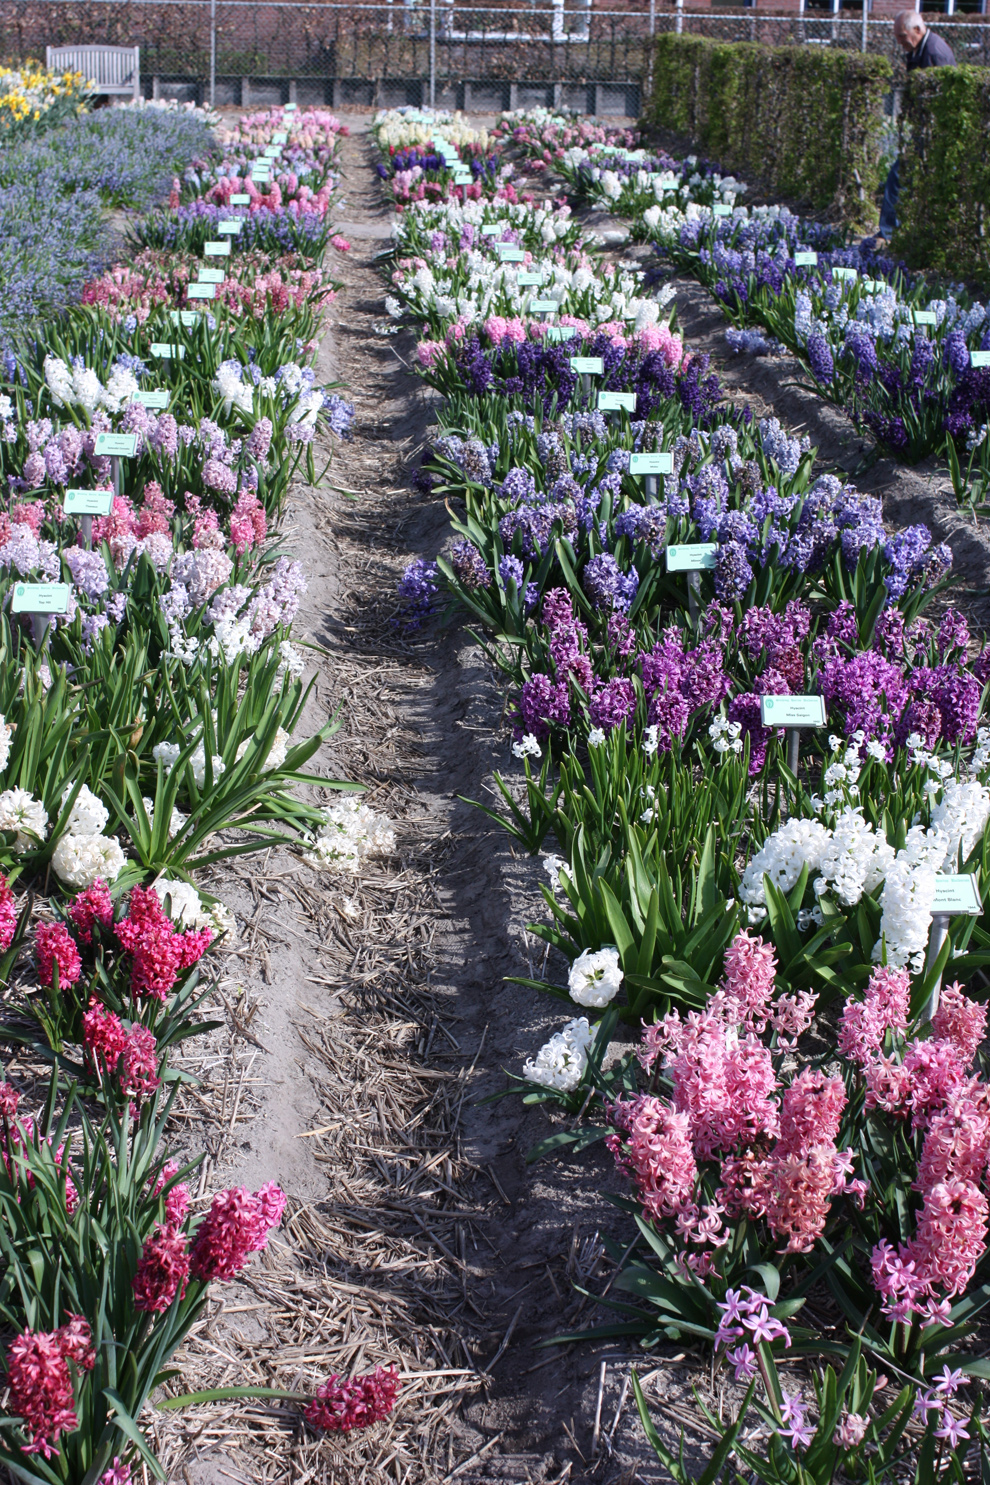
[
  {"x": 846, "y": 273},
  {"x": 289, "y": 107},
  {"x": 211, "y": 275},
  {"x": 187, "y": 317},
  {"x": 217, "y": 249},
  {"x": 617, "y": 402},
  {"x": 543, "y": 306},
  {"x": 510, "y": 254},
  {"x": 871, "y": 285},
  {"x": 88, "y": 502},
  {"x": 722, "y": 209},
  {"x": 979, "y": 358},
  {"x": 240, "y": 198},
  {"x": 698, "y": 556},
  {"x": 117, "y": 445},
  {"x": 280, "y": 137},
  {"x": 40, "y": 598},
  {"x": 651, "y": 464},
  {"x": 492, "y": 229},
  {"x": 792, "y": 711},
  {"x": 158, "y": 400},
  {"x": 588, "y": 365},
  {"x": 957, "y": 894},
  {"x": 201, "y": 291},
  {"x": 925, "y": 317},
  {"x": 528, "y": 277},
  {"x": 272, "y": 152},
  {"x": 805, "y": 260},
  {"x": 162, "y": 351},
  {"x": 556, "y": 333},
  {"x": 232, "y": 228}
]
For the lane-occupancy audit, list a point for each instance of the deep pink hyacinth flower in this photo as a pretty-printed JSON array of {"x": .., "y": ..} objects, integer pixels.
[
  {"x": 103, "y": 1036},
  {"x": 40, "y": 1382},
  {"x": 237, "y": 1225},
  {"x": 8, "y": 915},
  {"x": 159, "y": 952},
  {"x": 341, "y": 1405},
  {"x": 90, "y": 907},
  {"x": 162, "y": 1271},
  {"x": 55, "y": 945},
  {"x": 139, "y": 1063}
]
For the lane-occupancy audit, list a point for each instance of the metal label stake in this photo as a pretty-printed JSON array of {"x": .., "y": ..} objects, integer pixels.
[
  {"x": 956, "y": 894},
  {"x": 39, "y": 601},
  {"x": 86, "y": 504},
  {"x": 650, "y": 467},
  {"x": 792, "y": 712}
]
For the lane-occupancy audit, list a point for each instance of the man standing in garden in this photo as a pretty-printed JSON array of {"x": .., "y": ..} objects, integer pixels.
[{"x": 924, "y": 49}]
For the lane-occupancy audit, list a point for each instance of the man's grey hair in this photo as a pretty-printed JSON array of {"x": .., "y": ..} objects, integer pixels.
[{"x": 910, "y": 20}]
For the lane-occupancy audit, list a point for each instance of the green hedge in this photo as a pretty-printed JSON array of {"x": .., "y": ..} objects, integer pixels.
[
  {"x": 806, "y": 121},
  {"x": 944, "y": 207}
]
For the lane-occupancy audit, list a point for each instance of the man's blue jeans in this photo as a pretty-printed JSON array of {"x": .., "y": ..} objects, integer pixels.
[{"x": 888, "y": 209}]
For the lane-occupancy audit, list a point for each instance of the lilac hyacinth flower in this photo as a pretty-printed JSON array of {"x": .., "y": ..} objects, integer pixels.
[
  {"x": 955, "y": 352},
  {"x": 613, "y": 704},
  {"x": 820, "y": 358},
  {"x": 418, "y": 588},
  {"x": 88, "y": 569},
  {"x": 469, "y": 565},
  {"x": 607, "y": 585},
  {"x": 733, "y": 573},
  {"x": 541, "y": 705}
]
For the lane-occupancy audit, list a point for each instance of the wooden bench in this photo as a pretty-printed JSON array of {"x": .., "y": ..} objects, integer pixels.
[{"x": 113, "y": 69}]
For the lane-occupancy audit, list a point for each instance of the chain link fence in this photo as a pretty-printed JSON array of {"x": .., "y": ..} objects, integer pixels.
[{"x": 243, "y": 52}]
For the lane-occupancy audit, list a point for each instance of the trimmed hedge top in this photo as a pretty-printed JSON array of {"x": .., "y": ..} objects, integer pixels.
[
  {"x": 806, "y": 120},
  {"x": 945, "y": 172}
]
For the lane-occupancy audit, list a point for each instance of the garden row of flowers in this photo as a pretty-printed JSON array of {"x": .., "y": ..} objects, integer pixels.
[
  {"x": 908, "y": 360},
  {"x": 151, "y": 697},
  {"x": 756, "y": 762}
]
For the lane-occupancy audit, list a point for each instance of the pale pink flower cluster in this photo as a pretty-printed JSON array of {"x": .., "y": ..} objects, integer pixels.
[
  {"x": 775, "y": 1145},
  {"x": 927, "y": 1084}
]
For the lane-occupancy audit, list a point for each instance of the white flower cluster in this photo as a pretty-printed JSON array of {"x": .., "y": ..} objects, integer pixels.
[
  {"x": 231, "y": 386},
  {"x": 421, "y": 218},
  {"x": 80, "y": 385},
  {"x": 962, "y": 817},
  {"x": 527, "y": 748},
  {"x": 169, "y": 754},
  {"x": 21, "y": 812},
  {"x": 595, "y": 977},
  {"x": 726, "y": 736},
  {"x": 853, "y": 859},
  {"x": 188, "y": 910},
  {"x": 401, "y": 127},
  {"x": 350, "y": 834},
  {"x": 6, "y": 733},
  {"x": 560, "y": 1063},
  {"x": 477, "y": 285},
  {"x": 276, "y": 753},
  {"x": 83, "y": 853}
]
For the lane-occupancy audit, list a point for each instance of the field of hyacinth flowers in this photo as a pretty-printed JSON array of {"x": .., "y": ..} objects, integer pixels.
[
  {"x": 742, "y": 721},
  {"x": 770, "y": 935}
]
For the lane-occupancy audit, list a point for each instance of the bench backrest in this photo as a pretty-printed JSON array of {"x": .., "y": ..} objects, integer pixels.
[{"x": 114, "y": 69}]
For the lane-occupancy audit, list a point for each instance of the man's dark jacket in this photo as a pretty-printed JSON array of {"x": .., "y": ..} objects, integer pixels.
[{"x": 931, "y": 51}]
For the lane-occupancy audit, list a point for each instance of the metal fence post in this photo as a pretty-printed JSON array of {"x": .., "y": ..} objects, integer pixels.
[
  {"x": 866, "y": 12},
  {"x": 433, "y": 52},
  {"x": 679, "y": 23},
  {"x": 213, "y": 53}
]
